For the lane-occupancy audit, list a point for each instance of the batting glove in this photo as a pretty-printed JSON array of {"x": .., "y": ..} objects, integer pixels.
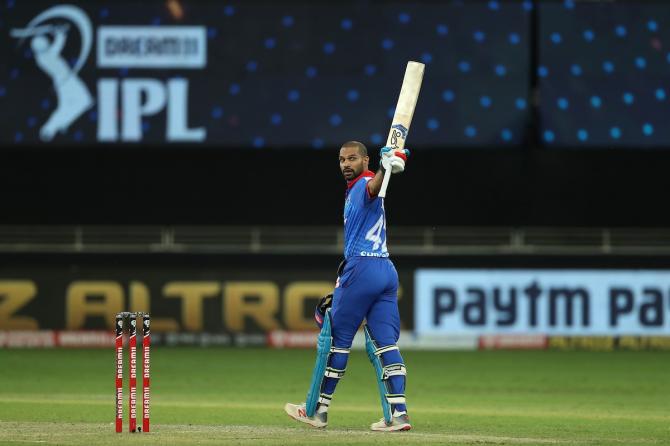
[
  {"x": 393, "y": 159},
  {"x": 320, "y": 310}
]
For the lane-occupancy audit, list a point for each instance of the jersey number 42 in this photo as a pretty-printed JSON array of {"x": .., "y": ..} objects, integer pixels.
[{"x": 375, "y": 234}]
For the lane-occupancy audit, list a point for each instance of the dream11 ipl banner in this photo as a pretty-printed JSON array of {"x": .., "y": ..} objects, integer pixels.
[
  {"x": 548, "y": 302},
  {"x": 125, "y": 47}
]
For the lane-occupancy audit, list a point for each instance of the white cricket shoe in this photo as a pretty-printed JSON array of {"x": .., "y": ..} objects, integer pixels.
[
  {"x": 399, "y": 423},
  {"x": 299, "y": 413}
]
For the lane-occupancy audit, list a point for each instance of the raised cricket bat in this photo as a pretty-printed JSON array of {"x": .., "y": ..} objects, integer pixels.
[{"x": 404, "y": 110}]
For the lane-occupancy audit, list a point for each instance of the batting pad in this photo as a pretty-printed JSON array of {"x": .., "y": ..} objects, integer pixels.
[
  {"x": 383, "y": 373},
  {"x": 323, "y": 346}
]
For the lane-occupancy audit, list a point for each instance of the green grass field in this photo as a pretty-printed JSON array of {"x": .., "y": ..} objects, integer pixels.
[{"x": 236, "y": 396}]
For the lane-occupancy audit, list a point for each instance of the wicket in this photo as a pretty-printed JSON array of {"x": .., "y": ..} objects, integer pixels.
[{"x": 131, "y": 319}]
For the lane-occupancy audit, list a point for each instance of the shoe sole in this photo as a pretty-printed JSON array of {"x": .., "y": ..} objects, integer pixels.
[{"x": 300, "y": 420}]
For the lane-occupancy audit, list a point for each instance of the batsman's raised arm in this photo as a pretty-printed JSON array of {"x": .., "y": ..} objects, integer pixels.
[{"x": 376, "y": 183}]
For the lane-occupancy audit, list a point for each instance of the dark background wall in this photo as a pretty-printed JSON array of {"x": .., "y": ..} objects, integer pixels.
[{"x": 208, "y": 186}]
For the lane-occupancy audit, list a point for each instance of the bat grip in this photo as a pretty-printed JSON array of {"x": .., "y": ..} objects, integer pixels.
[{"x": 385, "y": 183}]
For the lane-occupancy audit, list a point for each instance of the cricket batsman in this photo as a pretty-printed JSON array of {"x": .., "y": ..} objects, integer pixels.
[{"x": 366, "y": 289}]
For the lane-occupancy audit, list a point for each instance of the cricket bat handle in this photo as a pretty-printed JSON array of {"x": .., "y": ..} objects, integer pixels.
[{"x": 385, "y": 183}]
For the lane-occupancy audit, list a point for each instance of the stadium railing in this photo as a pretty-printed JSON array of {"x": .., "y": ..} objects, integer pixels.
[{"x": 414, "y": 240}]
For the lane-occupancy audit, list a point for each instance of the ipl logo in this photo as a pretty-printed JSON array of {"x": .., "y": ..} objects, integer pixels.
[
  {"x": 73, "y": 96},
  {"x": 118, "y": 47}
]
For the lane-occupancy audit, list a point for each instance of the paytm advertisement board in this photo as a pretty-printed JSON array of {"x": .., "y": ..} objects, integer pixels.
[{"x": 551, "y": 302}]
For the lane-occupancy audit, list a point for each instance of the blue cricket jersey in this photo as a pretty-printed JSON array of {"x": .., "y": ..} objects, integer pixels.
[{"x": 364, "y": 221}]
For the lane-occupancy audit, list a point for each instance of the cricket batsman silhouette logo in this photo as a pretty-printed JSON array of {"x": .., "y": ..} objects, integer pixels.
[{"x": 47, "y": 41}]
